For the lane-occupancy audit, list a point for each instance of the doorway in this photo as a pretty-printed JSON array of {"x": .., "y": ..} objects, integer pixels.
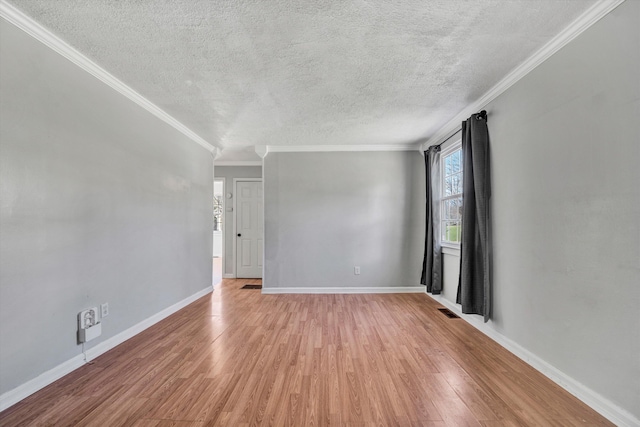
[
  {"x": 248, "y": 228},
  {"x": 218, "y": 230}
]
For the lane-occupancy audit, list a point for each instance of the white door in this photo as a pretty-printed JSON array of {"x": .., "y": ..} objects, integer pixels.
[{"x": 249, "y": 229}]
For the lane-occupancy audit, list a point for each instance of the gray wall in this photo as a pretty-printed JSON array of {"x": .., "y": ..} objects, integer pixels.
[
  {"x": 229, "y": 173},
  {"x": 565, "y": 147},
  {"x": 101, "y": 202},
  {"x": 328, "y": 212}
]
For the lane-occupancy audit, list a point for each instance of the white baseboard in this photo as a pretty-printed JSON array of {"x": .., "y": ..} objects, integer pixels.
[
  {"x": 229, "y": 276},
  {"x": 598, "y": 403},
  {"x": 116, "y": 340},
  {"x": 385, "y": 290},
  {"x": 14, "y": 396}
]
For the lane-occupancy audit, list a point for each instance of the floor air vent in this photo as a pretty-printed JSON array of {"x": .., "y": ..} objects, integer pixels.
[
  {"x": 450, "y": 314},
  {"x": 250, "y": 286}
]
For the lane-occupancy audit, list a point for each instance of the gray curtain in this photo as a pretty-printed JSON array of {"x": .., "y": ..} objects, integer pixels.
[
  {"x": 474, "y": 286},
  {"x": 432, "y": 263}
]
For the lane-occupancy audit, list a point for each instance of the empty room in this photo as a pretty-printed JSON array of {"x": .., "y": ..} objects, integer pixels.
[{"x": 289, "y": 213}]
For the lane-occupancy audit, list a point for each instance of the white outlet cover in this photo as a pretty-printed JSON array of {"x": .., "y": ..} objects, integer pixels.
[{"x": 104, "y": 309}]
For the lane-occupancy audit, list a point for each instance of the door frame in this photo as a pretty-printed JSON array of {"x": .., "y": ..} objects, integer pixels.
[{"x": 235, "y": 222}]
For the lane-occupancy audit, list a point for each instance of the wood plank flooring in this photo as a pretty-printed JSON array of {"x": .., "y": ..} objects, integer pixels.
[{"x": 240, "y": 358}]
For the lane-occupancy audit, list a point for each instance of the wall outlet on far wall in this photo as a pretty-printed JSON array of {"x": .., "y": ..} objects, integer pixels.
[
  {"x": 88, "y": 325},
  {"x": 104, "y": 309},
  {"x": 356, "y": 270}
]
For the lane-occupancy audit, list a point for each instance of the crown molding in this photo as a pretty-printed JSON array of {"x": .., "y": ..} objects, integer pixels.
[
  {"x": 333, "y": 148},
  {"x": 237, "y": 163},
  {"x": 577, "y": 27},
  {"x": 16, "y": 17},
  {"x": 262, "y": 150}
]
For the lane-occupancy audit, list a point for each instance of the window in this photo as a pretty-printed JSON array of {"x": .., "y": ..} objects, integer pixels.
[{"x": 451, "y": 200}]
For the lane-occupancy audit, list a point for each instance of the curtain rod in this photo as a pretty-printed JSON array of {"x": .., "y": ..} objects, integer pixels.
[{"x": 482, "y": 114}]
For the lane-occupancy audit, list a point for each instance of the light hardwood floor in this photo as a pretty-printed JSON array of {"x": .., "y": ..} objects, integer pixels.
[{"x": 238, "y": 358}]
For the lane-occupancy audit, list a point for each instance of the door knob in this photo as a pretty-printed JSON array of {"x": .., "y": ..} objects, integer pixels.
[{"x": 239, "y": 235}]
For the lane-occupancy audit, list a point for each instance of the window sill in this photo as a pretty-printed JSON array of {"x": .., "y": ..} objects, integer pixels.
[{"x": 451, "y": 250}]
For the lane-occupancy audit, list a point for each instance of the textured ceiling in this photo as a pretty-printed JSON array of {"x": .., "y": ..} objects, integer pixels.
[{"x": 326, "y": 72}]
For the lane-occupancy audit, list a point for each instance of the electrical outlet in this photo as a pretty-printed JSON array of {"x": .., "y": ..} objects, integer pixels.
[
  {"x": 88, "y": 318},
  {"x": 104, "y": 309},
  {"x": 88, "y": 325},
  {"x": 356, "y": 270}
]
